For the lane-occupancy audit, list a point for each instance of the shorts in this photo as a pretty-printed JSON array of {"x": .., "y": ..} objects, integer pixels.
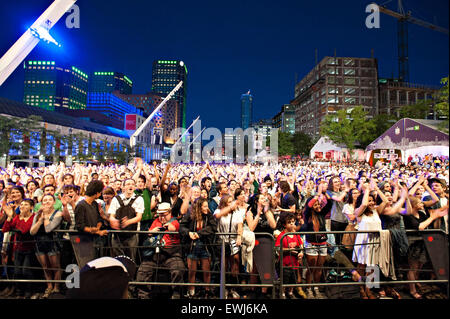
[
  {"x": 289, "y": 275},
  {"x": 316, "y": 250},
  {"x": 198, "y": 251},
  {"x": 47, "y": 245}
]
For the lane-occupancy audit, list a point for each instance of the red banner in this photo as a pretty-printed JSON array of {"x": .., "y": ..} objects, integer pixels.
[{"x": 130, "y": 122}]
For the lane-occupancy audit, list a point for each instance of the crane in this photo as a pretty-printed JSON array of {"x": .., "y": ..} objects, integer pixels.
[{"x": 402, "y": 32}]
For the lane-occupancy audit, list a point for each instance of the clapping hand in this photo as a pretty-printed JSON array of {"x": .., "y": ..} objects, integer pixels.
[
  {"x": 193, "y": 235},
  {"x": 439, "y": 212},
  {"x": 124, "y": 222}
]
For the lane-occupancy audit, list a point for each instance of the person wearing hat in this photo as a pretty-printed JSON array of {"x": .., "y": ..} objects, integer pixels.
[
  {"x": 104, "y": 278},
  {"x": 166, "y": 255}
]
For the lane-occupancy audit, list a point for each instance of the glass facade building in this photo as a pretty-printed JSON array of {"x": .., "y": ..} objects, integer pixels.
[
  {"x": 111, "y": 106},
  {"x": 108, "y": 82},
  {"x": 166, "y": 74},
  {"x": 285, "y": 119},
  {"x": 51, "y": 86},
  {"x": 246, "y": 110}
]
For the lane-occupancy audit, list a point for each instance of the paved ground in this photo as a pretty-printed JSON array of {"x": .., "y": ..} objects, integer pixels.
[{"x": 428, "y": 292}]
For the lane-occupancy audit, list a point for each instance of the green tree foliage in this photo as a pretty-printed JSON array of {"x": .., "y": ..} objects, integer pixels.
[
  {"x": 7, "y": 125},
  {"x": 376, "y": 126},
  {"x": 302, "y": 143},
  {"x": 339, "y": 129},
  {"x": 285, "y": 146},
  {"x": 442, "y": 107},
  {"x": 416, "y": 111},
  {"x": 349, "y": 127}
]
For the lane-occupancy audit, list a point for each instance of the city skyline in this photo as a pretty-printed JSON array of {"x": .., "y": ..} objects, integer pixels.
[{"x": 227, "y": 49}]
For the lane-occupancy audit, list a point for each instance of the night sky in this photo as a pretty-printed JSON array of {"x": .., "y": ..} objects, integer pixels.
[{"x": 229, "y": 47}]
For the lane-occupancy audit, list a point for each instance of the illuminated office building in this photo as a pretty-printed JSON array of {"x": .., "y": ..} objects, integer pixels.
[
  {"x": 51, "y": 86},
  {"x": 107, "y": 82},
  {"x": 166, "y": 74}
]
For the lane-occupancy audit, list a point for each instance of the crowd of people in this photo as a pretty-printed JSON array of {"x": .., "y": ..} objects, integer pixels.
[{"x": 173, "y": 219}]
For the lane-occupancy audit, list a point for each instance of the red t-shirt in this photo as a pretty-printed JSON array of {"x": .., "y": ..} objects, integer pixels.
[
  {"x": 288, "y": 242},
  {"x": 169, "y": 240}
]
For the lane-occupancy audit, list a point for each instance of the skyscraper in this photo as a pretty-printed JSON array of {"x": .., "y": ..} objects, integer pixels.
[
  {"x": 166, "y": 74},
  {"x": 107, "y": 82},
  {"x": 246, "y": 110},
  {"x": 51, "y": 86}
]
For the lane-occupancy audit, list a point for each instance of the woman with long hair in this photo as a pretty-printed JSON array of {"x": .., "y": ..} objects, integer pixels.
[
  {"x": 231, "y": 220},
  {"x": 418, "y": 219},
  {"x": 350, "y": 206},
  {"x": 199, "y": 228},
  {"x": 46, "y": 220},
  {"x": 368, "y": 216},
  {"x": 23, "y": 244},
  {"x": 316, "y": 209},
  {"x": 260, "y": 219},
  {"x": 349, "y": 212},
  {"x": 392, "y": 219},
  {"x": 338, "y": 219}
]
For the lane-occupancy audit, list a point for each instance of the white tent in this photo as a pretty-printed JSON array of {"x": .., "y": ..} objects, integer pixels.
[{"x": 327, "y": 149}]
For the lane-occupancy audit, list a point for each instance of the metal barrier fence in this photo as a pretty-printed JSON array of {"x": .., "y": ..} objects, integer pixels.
[
  {"x": 282, "y": 285},
  {"x": 276, "y": 283}
]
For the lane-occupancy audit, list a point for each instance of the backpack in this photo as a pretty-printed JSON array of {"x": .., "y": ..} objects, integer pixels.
[{"x": 126, "y": 211}]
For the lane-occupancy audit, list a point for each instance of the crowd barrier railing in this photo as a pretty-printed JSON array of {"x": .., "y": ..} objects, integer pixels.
[
  {"x": 276, "y": 283},
  {"x": 282, "y": 285}
]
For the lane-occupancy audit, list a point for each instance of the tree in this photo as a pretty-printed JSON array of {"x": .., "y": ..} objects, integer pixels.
[
  {"x": 339, "y": 129},
  {"x": 110, "y": 151},
  {"x": 419, "y": 110},
  {"x": 348, "y": 127},
  {"x": 379, "y": 124},
  {"x": 90, "y": 147},
  {"x": 285, "y": 146},
  {"x": 27, "y": 126},
  {"x": 15, "y": 134},
  {"x": 121, "y": 155},
  {"x": 442, "y": 108},
  {"x": 7, "y": 125},
  {"x": 57, "y": 140},
  {"x": 80, "y": 137},
  {"x": 302, "y": 143}
]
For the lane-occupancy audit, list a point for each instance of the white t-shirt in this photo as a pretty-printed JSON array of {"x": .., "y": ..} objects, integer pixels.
[
  {"x": 224, "y": 223},
  {"x": 347, "y": 211},
  {"x": 138, "y": 205}
]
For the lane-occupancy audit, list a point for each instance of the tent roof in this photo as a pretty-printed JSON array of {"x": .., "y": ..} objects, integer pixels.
[
  {"x": 410, "y": 133},
  {"x": 325, "y": 144}
]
